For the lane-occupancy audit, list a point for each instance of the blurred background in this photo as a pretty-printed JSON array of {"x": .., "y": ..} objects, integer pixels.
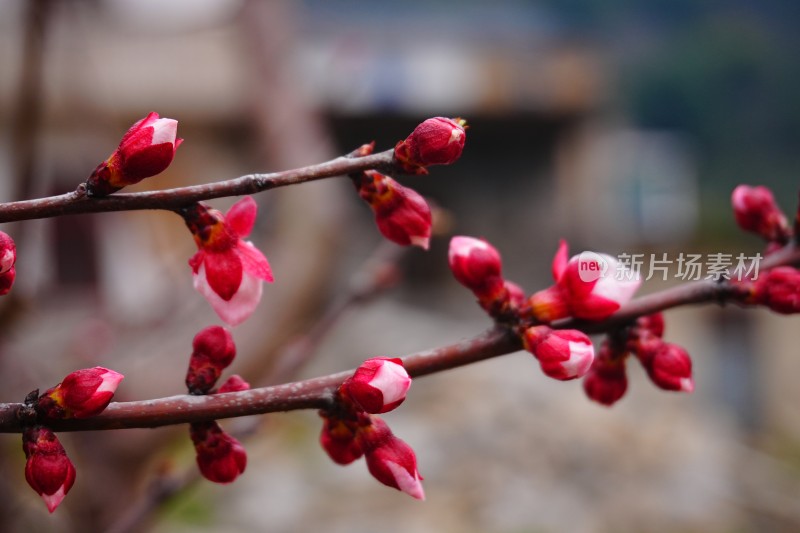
[{"x": 620, "y": 125}]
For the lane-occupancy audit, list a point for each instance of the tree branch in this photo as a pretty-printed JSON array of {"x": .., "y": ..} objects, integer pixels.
[
  {"x": 318, "y": 392},
  {"x": 79, "y": 201}
]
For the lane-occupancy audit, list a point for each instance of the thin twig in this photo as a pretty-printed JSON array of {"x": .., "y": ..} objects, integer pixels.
[{"x": 79, "y": 201}]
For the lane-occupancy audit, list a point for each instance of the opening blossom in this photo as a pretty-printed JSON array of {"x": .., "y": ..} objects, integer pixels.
[
  {"x": 227, "y": 270},
  {"x": 378, "y": 385},
  {"x": 146, "y": 149},
  {"x": 8, "y": 258},
  {"x": 589, "y": 285},
  {"x": 48, "y": 470}
]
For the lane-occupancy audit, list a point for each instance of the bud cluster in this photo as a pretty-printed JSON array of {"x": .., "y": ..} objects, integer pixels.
[
  {"x": 220, "y": 457},
  {"x": 756, "y": 211},
  {"x": 227, "y": 270},
  {"x": 81, "y": 394},
  {"x": 351, "y": 429},
  {"x": 668, "y": 365}
]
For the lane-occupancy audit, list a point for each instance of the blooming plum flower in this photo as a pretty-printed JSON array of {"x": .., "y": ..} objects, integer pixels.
[
  {"x": 436, "y": 141},
  {"x": 589, "y": 286},
  {"x": 146, "y": 149},
  {"x": 227, "y": 270},
  {"x": 83, "y": 393},
  {"x": 220, "y": 457},
  {"x": 401, "y": 214},
  {"x": 378, "y": 385},
  {"x": 48, "y": 470},
  {"x": 563, "y": 354}
]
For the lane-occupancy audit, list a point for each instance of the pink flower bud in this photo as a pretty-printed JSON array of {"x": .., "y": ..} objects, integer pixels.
[
  {"x": 213, "y": 351},
  {"x": 146, "y": 150},
  {"x": 390, "y": 460},
  {"x": 606, "y": 381},
  {"x": 402, "y": 214},
  {"x": 670, "y": 368},
  {"x": 235, "y": 383},
  {"x": 778, "y": 289},
  {"x": 756, "y": 211},
  {"x": 8, "y": 258},
  {"x": 338, "y": 438},
  {"x": 48, "y": 470},
  {"x": 437, "y": 141},
  {"x": 82, "y": 394},
  {"x": 378, "y": 385},
  {"x": 562, "y": 354},
  {"x": 227, "y": 270},
  {"x": 220, "y": 457},
  {"x": 476, "y": 264}
]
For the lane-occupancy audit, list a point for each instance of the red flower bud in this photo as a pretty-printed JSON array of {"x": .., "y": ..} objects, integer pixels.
[
  {"x": 146, "y": 149},
  {"x": 338, "y": 438},
  {"x": 670, "y": 368},
  {"x": 563, "y": 354},
  {"x": 606, "y": 381},
  {"x": 390, "y": 460},
  {"x": 476, "y": 264},
  {"x": 378, "y": 385},
  {"x": 220, "y": 457},
  {"x": 756, "y": 211},
  {"x": 81, "y": 394},
  {"x": 437, "y": 141},
  {"x": 516, "y": 294},
  {"x": 8, "y": 258},
  {"x": 48, "y": 470},
  {"x": 778, "y": 289},
  {"x": 402, "y": 215},
  {"x": 235, "y": 383},
  {"x": 213, "y": 351}
]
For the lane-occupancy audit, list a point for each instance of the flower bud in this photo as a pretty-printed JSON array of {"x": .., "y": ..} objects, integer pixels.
[
  {"x": 563, "y": 354},
  {"x": 476, "y": 264},
  {"x": 390, "y": 460},
  {"x": 516, "y": 294},
  {"x": 338, "y": 438},
  {"x": 220, "y": 457},
  {"x": 606, "y": 381},
  {"x": 82, "y": 394},
  {"x": 670, "y": 368},
  {"x": 402, "y": 214},
  {"x": 8, "y": 258},
  {"x": 778, "y": 289},
  {"x": 378, "y": 385},
  {"x": 48, "y": 470},
  {"x": 437, "y": 141},
  {"x": 756, "y": 211},
  {"x": 146, "y": 149},
  {"x": 213, "y": 351},
  {"x": 235, "y": 383}
]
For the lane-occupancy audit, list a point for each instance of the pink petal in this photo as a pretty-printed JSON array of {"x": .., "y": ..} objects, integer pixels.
[
  {"x": 560, "y": 260},
  {"x": 253, "y": 261},
  {"x": 409, "y": 484},
  {"x": 224, "y": 273},
  {"x": 241, "y": 216},
  {"x": 239, "y": 308},
  {"x": 164, "y": 131}
]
